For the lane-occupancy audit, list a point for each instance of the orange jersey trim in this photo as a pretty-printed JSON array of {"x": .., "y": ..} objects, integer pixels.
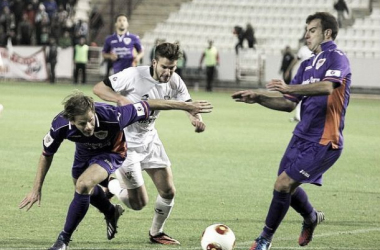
[
  {"x": 333, "y": 120},
  {"x": 120, "y": 146}
]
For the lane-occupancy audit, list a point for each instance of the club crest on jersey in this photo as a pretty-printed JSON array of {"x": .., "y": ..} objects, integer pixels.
[
  {"x": 48, "y": 140},
  {"x": 320, "y": 63},
  {"x": 127, "y": 40},
  {"x": 101, "y": 134},
  {"x": 336, "y": 73},
  {"x": 139, "y": 109}
]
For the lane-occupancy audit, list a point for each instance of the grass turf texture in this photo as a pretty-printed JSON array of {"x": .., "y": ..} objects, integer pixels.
[{"x": 224, "y": 175}]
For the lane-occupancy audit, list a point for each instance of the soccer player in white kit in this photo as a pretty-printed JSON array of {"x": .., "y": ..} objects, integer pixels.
[{"x": 145, "y": 150}]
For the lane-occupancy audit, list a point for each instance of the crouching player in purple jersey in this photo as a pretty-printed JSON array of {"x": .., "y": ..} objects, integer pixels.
[
  {"x": 97, "y": 130},
  {"x": 323, "y": 84}
]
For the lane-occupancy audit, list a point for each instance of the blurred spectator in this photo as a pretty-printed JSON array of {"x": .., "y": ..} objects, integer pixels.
[
  {"x": 31, "y": 13},
  {"x": 211, "y": 57},
  {"x": 4, "y": 3},
  {"x": 17, "y": 8},
  {"x": 25, "y": 31},
  {"x": 181, "y": 62},
  {"x": 7, "y": 20},
  {"x": 65, "y": 40},
  {"x": 45, "y": 35},
  {"x": 3, "y": 37},
  {"x": 80, "y": 59},
  {"x": 42, "y": 22},
  {"x": 239, "y": 33},
  {"x": 50, "y": 7},
  {"x": 61, "y": 20},
  {"x": 51, "y": 58},
  {"x": 287, "y": 64},
  {"x": 341, "y": 7},
  {"x": 249, "y": 34},
  {"x": 80, "y": 30},
  {"x": 96, "y": 23}
]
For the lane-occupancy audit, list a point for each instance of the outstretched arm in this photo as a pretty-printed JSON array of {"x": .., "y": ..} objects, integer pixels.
[
  {"x": 193, "y": 108},
  {"x": 35, "y": 195},
  {"x": 273, "y": 102},
  {"x": 106, "y": 93},
  {"x": 314, "y": 89}
]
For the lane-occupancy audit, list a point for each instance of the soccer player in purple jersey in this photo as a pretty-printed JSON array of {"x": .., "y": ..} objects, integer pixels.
[
  {"x": 119, "y": 47},
  {"x": 97, "y": 130},
  {"x": 323, "y": 84}
]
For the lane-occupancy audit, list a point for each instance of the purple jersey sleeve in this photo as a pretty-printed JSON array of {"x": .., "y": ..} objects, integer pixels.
[
  {"x": 107, "y": 45},
  {"x": 338, "y": 67},
  {"x": 55, "y": 136},
  {"x": 131, "y": 113}
]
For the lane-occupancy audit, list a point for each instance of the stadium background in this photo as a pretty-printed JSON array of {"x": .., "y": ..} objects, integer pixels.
[{"x": 276, "y": 23}]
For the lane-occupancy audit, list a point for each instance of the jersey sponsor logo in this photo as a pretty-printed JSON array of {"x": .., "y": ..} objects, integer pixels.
[
  {"x": 311, "y": 80},
  {"x": 48, "y": 140},
  {"x": 304, "y": 173},
  {"x": 101, "y": 134},
  {"x": 139, "y": 109},
  {"x": 114, "y": 41},
  {"x": 332, "y": 72},
  {"x": 148, "y": 121},
  {"x": 127, "y": 40},
  {"x": 320, "y": 63}
]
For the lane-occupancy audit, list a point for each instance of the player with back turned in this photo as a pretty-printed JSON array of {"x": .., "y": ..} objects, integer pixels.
[{"x": 322, "y": 83}]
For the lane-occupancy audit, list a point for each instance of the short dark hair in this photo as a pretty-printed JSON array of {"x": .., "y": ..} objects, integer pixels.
[
  {"x": 77, "y": 104},
  {"x": 171, "y": 51},
  {"x": 328, "y": 21},
  {"x": 119, "y": 15}
]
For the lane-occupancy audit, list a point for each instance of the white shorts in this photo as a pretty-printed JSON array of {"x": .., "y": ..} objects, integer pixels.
[{"x": 138, "y": 159}]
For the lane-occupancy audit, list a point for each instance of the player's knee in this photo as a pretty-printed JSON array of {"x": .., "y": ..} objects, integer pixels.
[
  {"x": 138, "y": 204},
  {"x": 168, "y": 193},
  {"x": 84, "y": 186}
]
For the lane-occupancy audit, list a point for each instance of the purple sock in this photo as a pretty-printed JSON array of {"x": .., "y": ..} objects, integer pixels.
[
  {"x": 77, "y": 210},
  {"x": 99, "y": 200},
  {"x": 277, "y": 211},
  {"x": 300, "y": 203}
]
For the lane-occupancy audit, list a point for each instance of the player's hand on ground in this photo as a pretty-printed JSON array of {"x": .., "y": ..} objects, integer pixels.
[
  {"x": 30, "y": 199},
  {"x": 277, "y": 85},
  {"x": 247, "y": 96},
  {"x": 199, "y": 126},
  {"x": 197, "y": 107}
]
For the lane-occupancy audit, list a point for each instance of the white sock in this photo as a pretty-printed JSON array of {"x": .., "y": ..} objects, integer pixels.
[
  {"x": 162, "y": 210},
  {"x": 121, "y": 193}
]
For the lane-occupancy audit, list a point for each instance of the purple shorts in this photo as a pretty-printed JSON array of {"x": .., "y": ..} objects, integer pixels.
[
  {"x": 109, "y": 161},
  {"x": 306, "y": 161}
]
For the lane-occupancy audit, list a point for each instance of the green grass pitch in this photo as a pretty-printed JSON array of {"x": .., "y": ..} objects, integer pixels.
[{"x": 225, "y": 174}]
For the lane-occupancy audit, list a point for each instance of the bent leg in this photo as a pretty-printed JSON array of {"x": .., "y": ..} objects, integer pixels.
[{"x": 81, "y": 202}]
